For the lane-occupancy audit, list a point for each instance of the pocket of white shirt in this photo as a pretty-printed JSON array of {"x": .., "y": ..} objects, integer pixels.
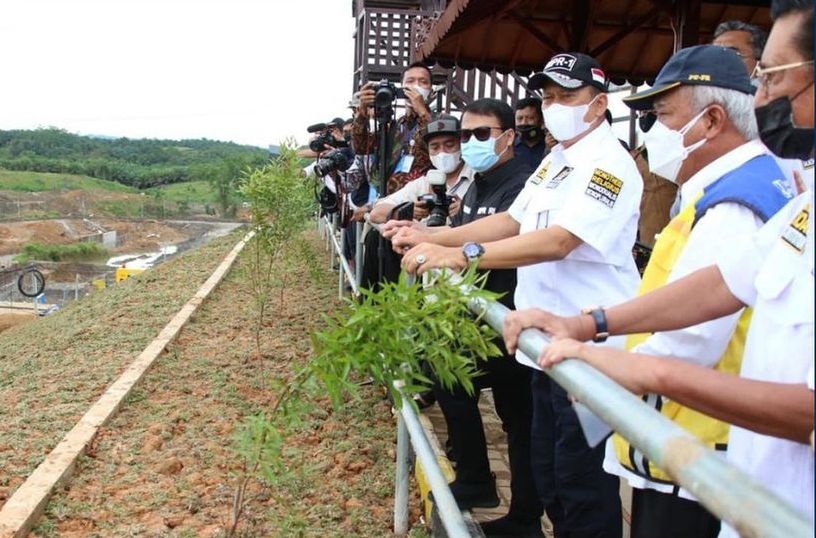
[{"x": 786, "y": 279}]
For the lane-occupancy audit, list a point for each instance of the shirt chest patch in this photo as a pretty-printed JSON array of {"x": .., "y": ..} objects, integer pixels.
[
  {"x": 486, "y": 211},
  {"x": 540, "y": 175},
  {"x": 558, "y": 178},
  {"x": 808, "y": 164},
  {"x": 795, "y": 234},
  {"x": 604, "y": 187},
  {"x": 466, "y": 209}
]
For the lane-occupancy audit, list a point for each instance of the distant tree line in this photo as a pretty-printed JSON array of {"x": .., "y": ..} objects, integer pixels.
[{"x": 137, "y": 163}]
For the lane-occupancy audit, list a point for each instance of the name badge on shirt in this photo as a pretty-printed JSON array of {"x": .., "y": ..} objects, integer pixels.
[
  {"x": 795, "y": 234},
  {"x": 404, "y": 164},
  {"x": 466, "y": 209},
  {"x": 604, "y": 187},
  {"x": 540, "y": 175}
]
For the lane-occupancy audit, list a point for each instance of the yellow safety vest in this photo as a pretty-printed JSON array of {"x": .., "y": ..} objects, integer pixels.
[{"x": 670, "y": 244}]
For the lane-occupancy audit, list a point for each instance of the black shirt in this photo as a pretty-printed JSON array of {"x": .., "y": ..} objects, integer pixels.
[
  {"x": 489, "y": 194},
  {"x": 530, "y": 155}
]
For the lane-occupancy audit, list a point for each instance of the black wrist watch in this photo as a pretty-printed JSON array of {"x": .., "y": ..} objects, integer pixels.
[
  {"x": 601, "y": 329},
  {"x": 472, "y": 251}
]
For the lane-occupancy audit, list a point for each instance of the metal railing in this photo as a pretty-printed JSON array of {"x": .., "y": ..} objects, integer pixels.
[
  {"x": 723, "y": 489},
  {"x": 410, "y": 435}
]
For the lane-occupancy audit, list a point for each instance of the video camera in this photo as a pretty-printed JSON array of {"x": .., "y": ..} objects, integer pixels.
[
  {"x": 337, "y": 160},
  {"x": 438, "y": 202},
  {"x": 325, "y": 137}
]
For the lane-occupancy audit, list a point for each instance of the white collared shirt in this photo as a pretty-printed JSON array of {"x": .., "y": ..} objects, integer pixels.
[
  {"x": 772, "y": 271},
  {"x": 416, "y": 188},
  {"x": 592, "y": 189},
  {"x": 705, "y": 343}
]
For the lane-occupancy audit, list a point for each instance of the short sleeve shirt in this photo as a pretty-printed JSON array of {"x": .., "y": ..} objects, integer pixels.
[
  {"x": 592, "y": 189},
  {"x": 772, "y": 270}
]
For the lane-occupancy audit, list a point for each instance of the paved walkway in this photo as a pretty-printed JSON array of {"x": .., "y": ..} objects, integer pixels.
[{"x": 499, "y": 464}]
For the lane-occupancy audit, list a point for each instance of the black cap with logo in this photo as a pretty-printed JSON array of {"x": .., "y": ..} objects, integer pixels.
[
  {"x": 701, "y": 65},
  {"x": 571, "y": 70},
  {"x": 441, "y": 125}
]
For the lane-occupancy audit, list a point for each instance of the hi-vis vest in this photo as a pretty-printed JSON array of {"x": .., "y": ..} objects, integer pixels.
[{"x": 760, "y": 186}]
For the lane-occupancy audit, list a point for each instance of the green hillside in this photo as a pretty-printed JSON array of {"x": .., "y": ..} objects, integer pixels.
[
  {"x": 11, "y": 180},
  {"x": 139, "y": 163}
]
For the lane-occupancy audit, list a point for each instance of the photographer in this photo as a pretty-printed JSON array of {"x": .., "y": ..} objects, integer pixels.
[
  {"x": 529, "y": 145},
  {"x": 444, "y": 148},
  {"x": 408, "y": 156}
]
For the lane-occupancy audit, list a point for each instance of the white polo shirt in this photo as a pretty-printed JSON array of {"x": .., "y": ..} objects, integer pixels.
[
  {"x": 714, "y": 232},
  {"x": 772, "y": 270},
  {"x": 592, "y": 189}
]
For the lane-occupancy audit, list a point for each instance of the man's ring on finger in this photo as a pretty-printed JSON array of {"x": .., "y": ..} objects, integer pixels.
[{"x": 420, "y": 259}]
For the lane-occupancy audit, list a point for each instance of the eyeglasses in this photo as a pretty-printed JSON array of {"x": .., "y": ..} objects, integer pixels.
[
  {"x": 766, "y": 75},
  {"x": 481, "y": 133},
  {"x": 646, "y": 119}
]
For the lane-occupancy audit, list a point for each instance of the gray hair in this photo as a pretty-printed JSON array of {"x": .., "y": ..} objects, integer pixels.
[
  {"x": 737, "y": 105},
  {"x": 758, "y": 35}
]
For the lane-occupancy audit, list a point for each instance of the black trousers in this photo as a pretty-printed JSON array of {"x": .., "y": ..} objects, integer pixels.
[
  {"x": 581, "y": 499},
  {"x": 510, "y": 382},
  {"x": 669, "y": 516},
  {"x": 371, "y": 261}
]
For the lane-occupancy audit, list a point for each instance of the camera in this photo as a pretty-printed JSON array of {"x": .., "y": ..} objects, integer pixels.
[
  {"x": 324, "y": 139},
  {"x": 438, "y": 202},
  {"x": 385, "y": 93},
  {"x": 336, "y": 160}
]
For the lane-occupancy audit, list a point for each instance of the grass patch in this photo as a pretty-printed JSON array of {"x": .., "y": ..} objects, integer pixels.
[
  {"x": 194, "y": 192},
  {"x": 21, "y": 181},
  {"x": 74, "y": 252}
]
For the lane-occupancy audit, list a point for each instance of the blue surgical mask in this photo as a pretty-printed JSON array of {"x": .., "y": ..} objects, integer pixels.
[{"x": 480, "y": 154}]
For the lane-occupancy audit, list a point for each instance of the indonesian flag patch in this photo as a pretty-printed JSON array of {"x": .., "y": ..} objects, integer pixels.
[{"x": 598, "y": 75}]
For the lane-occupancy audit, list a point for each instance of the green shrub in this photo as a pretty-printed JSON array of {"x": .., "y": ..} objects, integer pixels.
[{"x": 73, "y": 252}]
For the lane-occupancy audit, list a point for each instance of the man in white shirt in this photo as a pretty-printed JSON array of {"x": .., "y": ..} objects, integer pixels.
[
  {"x": 442, "y": 139},
  {"x": 704, "y": 139},
  {"x": 570, "y": 232},
  {"x": 771, "y": 403}
]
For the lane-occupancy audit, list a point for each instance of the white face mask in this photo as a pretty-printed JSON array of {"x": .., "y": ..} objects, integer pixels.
[
  {"x": 424, "y": 92},
  {"x": 446, "y": 162},
  {"x": 666, "y": 150},
  {"x": 566, "y": 122}
]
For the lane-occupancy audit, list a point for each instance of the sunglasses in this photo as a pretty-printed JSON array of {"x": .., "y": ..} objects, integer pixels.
[{"x": 481, "y": 133}]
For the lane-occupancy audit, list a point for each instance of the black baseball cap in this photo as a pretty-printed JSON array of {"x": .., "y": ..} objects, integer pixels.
[
  {"x": 443, "y": 124},
  {"x": 701, "y": 65},
  {"x": 337, "y": 122},
  {"x": 571, "y": 70}
]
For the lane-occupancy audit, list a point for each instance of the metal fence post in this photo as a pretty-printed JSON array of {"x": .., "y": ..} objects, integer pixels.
[
  {"x": 342, "y": 273},
  {"x": 402, "y": 472}
]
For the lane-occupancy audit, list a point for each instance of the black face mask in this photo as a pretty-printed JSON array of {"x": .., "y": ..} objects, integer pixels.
[
  {"x": 347, "y": 137},
  {"x": 776, "y": 130},
  {"x": 529, "y": 133}
]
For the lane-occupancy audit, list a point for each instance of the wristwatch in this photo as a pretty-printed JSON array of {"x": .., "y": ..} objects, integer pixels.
[
  {"x": 601, "y": 328},
  {"x": 472, "y": 251}
]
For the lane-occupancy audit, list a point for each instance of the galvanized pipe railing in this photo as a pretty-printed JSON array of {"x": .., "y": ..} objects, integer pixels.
[
  {"x": 449, "y": 513},
  {"x": 336, "y": 249}
]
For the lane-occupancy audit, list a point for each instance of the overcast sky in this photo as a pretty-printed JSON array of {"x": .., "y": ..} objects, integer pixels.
[{"x": 250, "y": 71}]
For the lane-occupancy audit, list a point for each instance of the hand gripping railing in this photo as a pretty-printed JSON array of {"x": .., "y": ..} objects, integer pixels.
[{"x": 723, "y": 489}]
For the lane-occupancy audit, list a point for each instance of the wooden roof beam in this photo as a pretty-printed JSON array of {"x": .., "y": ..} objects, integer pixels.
[
  {"x": 535, "y": 32},
  {"x": 648, "y": 17}
]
